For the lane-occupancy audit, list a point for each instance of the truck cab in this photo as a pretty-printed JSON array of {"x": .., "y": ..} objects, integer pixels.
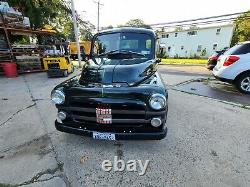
[{"x": 119, "y": 94}]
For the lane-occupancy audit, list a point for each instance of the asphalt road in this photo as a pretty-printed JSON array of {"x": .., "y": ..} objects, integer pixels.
[{"x": 208, "y": 143}]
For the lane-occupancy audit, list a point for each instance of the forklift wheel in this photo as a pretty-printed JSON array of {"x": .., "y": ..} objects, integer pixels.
[{"x": 65, "y": 73}]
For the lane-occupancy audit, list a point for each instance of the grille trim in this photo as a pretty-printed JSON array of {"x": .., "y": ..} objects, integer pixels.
[
  {"x": 114, "y": 121},
  {"x": 124, "y": 111},
  {"x": 93, "y": 110}
]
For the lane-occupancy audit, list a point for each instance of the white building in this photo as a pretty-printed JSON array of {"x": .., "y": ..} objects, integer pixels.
[{"x": 196, "y": 42}]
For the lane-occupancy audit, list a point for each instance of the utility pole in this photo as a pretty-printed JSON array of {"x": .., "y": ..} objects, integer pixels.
[
  {"x": 76, "y": 31},
  {"x": 98, "y": 14}
]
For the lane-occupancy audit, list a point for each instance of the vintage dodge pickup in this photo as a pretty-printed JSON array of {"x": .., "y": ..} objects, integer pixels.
[{"x": 119, "y": 94}]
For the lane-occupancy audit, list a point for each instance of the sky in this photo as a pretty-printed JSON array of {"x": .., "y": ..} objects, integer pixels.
[{"x": 115, "y": 12}]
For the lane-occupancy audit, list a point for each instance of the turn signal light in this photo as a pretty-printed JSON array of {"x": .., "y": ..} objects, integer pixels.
[{"x": 230, "y": 60}]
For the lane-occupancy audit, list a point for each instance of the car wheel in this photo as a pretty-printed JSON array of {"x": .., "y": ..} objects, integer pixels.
[
  {"x": 243, "y": 83},
  {"x": 65, "y": 73}
]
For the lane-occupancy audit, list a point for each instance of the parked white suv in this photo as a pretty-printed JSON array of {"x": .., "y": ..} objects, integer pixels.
[{"x": 234, "y": 67}]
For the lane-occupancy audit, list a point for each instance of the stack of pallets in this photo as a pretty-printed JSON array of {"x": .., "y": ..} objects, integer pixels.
[
  {"x": 28, "y": 63},
  {"x": 25, "y": 48},
  {"x": 12, "y": 17}
]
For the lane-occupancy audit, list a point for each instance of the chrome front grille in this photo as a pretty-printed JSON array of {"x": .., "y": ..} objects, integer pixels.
[{"x": 131, "y": 113}]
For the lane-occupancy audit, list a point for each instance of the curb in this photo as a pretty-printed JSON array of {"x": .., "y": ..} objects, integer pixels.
[{"x": 175, "y": 64}]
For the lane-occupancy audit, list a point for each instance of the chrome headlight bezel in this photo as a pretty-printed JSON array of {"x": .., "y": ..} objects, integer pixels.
[
  {"x": 58, "y": 97},
  {"x": 158, "y": 101}
]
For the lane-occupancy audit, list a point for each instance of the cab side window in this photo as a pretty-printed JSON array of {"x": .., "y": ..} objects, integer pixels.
[{"x": 148, "y": 44}]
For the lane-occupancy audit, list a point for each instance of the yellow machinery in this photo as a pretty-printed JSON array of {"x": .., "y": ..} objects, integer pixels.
[
  {"x": 84, "y": 45},
  {"x": 58, "y": 66}
]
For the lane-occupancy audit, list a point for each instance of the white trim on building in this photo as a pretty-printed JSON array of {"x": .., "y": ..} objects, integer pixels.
[{"x": 201, "y": 42}]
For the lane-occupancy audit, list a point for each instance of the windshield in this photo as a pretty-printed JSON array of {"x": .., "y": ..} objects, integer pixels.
[{"x": 137, "y": 44}]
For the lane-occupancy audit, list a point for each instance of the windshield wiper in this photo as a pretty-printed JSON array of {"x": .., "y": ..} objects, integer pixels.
[
  {"x": 107, "y": 53},
  {"x": 115, "y": 52},
  {"x": 133, "y": 53}
]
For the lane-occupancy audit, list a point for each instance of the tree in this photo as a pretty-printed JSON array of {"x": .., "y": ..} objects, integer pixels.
[
  {"x": 42, "y": 12},
  {"x": 138, "y": 23},
  {"x": 108, "y": 27},
  {"x": 242, "y": 29},
  {"x": 86, "y": 29},
  {"x": 68, "y": 31},
  {"x": 56, "y": 13}
]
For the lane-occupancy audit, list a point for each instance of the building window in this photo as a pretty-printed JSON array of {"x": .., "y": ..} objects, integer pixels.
[
  {"x": 176, "y": 34},
  {"x": 192, "y": 33},
  {"x": 182, "y": 47},
  {"x": 218, "y": 31},
  {"x": 199, "y": 48},
  {"x": 215, "y": 46},
  {"x": 169, "y": 49},
  {"x": 165, "y": 36}
]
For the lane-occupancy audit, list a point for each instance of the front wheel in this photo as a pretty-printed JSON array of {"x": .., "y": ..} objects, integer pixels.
[{"x": 243, "y": 83}]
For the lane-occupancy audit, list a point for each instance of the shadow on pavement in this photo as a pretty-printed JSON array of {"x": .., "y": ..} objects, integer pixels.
[{"x": 216, "y": 90}]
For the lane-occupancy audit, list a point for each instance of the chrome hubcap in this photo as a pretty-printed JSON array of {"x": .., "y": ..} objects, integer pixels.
[{"x": 245, "y": 84}]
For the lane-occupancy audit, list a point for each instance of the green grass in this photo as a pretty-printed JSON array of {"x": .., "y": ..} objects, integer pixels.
[{"x": 184, "y": 61}]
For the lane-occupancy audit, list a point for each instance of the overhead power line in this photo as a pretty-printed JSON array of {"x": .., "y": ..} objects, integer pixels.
[
  {"x": 204, "y": 22},
  {"x": 196, "y": 20}
]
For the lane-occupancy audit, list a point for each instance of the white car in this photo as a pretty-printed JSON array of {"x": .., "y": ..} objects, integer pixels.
[{"x": 234, "y": 67}]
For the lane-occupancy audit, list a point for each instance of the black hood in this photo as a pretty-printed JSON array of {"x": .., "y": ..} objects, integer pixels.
[{"x": 110, "y": 71}]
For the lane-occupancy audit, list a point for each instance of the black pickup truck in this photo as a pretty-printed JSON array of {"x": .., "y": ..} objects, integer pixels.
[{"x": 119, "y": 94}]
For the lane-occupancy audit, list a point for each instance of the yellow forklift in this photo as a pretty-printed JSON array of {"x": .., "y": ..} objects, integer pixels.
[{"x": 57, "y": 62}]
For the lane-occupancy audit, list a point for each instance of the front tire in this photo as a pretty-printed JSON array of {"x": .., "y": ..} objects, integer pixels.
[{"x": 243, "y": 83}]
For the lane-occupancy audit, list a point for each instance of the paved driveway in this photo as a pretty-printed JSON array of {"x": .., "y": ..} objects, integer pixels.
[{"x": 207, "y": 145}]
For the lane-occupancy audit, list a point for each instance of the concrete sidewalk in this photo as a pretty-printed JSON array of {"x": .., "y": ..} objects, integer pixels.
[{"x": 27, "y": 154}]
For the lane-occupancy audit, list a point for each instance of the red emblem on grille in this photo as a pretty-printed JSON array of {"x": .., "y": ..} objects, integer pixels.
[{"x": 103, "y": 115}]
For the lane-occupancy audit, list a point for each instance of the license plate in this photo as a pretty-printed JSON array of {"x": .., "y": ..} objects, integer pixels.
[{"x": 103, "y": 136}]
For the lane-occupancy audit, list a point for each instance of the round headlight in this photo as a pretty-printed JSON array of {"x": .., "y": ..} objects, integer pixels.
[
  {"x": 57, "y": 97},
  {"x": 157, "y": 101}
]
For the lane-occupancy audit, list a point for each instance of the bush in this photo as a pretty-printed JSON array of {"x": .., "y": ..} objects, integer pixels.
[{"x": 161, "y": 55}]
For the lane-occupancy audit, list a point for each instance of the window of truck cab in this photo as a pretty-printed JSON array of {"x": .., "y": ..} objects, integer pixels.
[{"x": 128, "y": 41}]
